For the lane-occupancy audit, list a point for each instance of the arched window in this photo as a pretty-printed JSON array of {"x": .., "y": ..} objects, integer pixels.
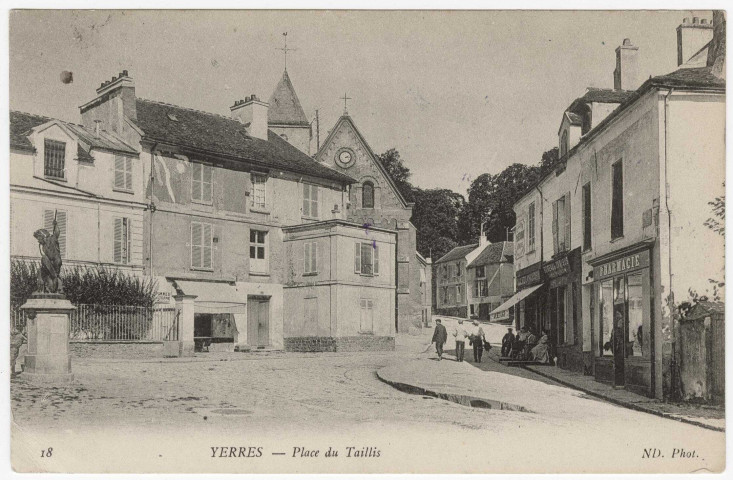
[{"x": 367, "y": 195}]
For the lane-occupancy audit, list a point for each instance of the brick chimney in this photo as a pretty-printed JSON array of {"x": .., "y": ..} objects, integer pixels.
[
  {"x": 626, "y": 75},
  {"x": 692, "y": 36},
  {"x": 252, "y": 112},
  {"x": 115, "y": 100}
]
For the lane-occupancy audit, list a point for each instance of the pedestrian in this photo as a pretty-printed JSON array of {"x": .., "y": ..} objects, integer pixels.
[
  {"x": 506, "y": 343},
  {"x": 17, "y": 339},
  {"x": 477, "y": 340},
  {"x": 440, "y": 336},
  {"x": 460, "y": 333}
]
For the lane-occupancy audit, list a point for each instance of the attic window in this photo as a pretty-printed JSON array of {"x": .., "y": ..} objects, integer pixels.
[{"x": 172, "y": 117}]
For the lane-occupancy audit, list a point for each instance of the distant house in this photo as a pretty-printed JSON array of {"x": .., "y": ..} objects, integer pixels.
[{"x": 472, "y": 280}]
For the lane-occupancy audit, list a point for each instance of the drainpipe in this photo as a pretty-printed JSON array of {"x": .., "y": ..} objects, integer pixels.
[
  {"x": 668, "y": 214},
  {"x": 151, "y": 207}
]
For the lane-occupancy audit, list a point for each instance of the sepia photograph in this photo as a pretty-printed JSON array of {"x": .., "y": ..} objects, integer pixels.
[{"x": 366, "y": 241}]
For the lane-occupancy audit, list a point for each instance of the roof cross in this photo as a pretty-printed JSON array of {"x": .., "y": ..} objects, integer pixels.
[
  {"x": 344, "y": 98},
  {"x": 285, "y": 49}
]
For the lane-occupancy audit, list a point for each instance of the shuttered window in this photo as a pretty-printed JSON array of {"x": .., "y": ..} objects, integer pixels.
[
  {"x": 310, "y": 257},
  {"x": 530, "y": 228},
  {"x": 54, "y": 158},
  {"x": 310, "y": 200},
  {"x": 201, "y": 186},
  {"x": 122, "y": 241},
  {"x": 201, "y": 245},
  {"x": 617, "y": 200},
  {"x": 61, "y": 220},
  {"x": 561, "y": 224},
  {"x": 366, "y": 258},
  {"x": 366, "y": 325},
  {"x": 123, "y": 172}
]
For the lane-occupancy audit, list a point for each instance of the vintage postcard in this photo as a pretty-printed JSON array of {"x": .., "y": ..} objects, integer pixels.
[{"x": 314, "y": 241}]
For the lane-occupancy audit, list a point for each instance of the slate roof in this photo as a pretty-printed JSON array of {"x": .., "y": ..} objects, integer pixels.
[
  {"x": 22, "y": 123},
  {"x": 494, "y": 253},
  {"x": 285, "y": 108},
  {"x": 700, "y": 77},
  {"x": 224, "y": 136},
  {"x": 457, "y": 253},
  {"x": 605, "y": 95}
]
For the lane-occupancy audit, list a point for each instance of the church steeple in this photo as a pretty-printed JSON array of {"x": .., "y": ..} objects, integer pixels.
[{"x": 286, "y": 116}]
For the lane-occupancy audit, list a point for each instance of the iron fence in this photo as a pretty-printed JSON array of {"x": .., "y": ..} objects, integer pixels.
[{"x": 96, "y": 323}]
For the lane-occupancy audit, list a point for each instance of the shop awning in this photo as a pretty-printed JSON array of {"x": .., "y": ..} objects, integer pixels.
[
  {"x": 214, "y": 297},
  {"x": 516, "y": 298}
]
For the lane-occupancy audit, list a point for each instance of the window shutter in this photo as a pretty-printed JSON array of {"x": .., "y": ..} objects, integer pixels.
[
  {"x": 206, "y": 246},
  {"x": 128, "y": 173},
  {"x": 567, "y": 221},
  {"x": 196, "y": 245},
  {"x": 314, "y": 201},
  {"x": 206, "y": 171},
  {"x": 306, "y": 257},
  {"x": 118, "y": 241},
  {"x": 196, "y": 181},
  {"x": 314, "y": 257},
  {"x": 306, "y": 200},
  {"x": 119, "y": 171},
  {"x": 376, "y": 259},
  {"x": 357, "y": 257}
]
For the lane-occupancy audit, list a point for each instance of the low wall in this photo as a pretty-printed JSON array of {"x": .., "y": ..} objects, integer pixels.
[
  {"x": 361, "y": 343},
  {"x": 116, "y": 350}
]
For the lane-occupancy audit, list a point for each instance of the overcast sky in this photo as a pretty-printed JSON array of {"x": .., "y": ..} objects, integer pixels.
[{"x": 457, "y": 93}]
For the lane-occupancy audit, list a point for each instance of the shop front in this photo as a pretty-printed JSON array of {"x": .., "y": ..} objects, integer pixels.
[
  {"x": 623, "y": 320},
  {"x": 561, "y": 317},
  {"x": 525, "y": 302}
]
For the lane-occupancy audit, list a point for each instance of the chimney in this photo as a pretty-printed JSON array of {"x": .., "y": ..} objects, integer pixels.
[
  {"x": 626, "y": 75},
  {"x": 115, "y": 100},
  {"x": 252, "y": 112},
  {"x": 691, "y": 38},
  {"x": 716, "y": 51}
]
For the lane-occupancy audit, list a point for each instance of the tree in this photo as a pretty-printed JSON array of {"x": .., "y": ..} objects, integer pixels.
[
  {"x": 435, "y": 216},
  {"x": 397, "y": 170}
]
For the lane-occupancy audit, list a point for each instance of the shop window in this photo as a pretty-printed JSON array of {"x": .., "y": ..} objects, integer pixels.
[
  {"x": 54, "y": 159},
  {"x": 617, "y": 201},
  {"x": 367, "y": 195},
  {"x": 635, "y": 337},
  {"x": 258, "y": 251},
  {"x": 586, "y": 217},
  {"x": 530, "y": 228},
  {"x": 606, "y": 314}
]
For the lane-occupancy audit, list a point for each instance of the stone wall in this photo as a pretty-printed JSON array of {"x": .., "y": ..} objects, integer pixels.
[
  {"x": 116, "y": 350},
  {"x": 362, "y": 343}
]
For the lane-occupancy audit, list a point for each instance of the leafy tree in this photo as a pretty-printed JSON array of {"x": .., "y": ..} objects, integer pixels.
[
  {"x": 435, "y": 215},
  {"x": 717, "y": 224},
  {"x": 400, "y": 174}
]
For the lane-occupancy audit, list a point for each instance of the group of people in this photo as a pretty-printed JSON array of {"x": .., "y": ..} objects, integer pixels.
[
  {"x": 525, "y": 345},
  {"x": 473, "y": 334}
]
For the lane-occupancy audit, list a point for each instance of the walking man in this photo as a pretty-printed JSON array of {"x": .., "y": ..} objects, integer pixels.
[
  {"x": 477, "y": 339},
  {"x": 440, "y": 336},
  {"x": 460, "y": 333}
]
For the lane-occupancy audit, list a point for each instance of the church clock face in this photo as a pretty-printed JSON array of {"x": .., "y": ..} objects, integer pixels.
[{"x": 345, "y": 158}]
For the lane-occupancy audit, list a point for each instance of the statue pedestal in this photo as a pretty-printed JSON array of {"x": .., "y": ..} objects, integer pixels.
[{"x": 48, "y": 359}]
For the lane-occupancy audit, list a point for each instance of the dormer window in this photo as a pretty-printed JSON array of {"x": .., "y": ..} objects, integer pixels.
[{"x": 54, "y": 158}]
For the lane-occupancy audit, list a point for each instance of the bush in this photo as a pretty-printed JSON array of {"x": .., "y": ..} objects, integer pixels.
[{"x": 96, "y": 285}]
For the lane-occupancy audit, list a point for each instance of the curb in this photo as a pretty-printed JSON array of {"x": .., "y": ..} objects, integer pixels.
[
  {"x": 465, "y": 400},
  {"x": 624, "y": 404}
]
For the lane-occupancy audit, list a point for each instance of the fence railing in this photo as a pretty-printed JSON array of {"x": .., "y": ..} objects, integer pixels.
[{"x": 95, "y": 323}]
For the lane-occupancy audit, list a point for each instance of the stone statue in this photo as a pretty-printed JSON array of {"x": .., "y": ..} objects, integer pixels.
[{"x": 49, "y": 280}]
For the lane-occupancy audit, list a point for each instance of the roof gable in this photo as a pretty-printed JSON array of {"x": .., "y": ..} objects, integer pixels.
[
  {"x": 457, "y": 253},
  {"x": 285, "y": 108},
  {"x": 346, "y": 122},
  {"x": 493, "y": 253}
]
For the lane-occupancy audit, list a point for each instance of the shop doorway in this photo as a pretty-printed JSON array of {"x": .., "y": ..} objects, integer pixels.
[{"x": 258, "y": 321}]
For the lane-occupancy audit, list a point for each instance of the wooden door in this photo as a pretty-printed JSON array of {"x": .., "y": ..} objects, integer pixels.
[{"x": 258, "y": 322}]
